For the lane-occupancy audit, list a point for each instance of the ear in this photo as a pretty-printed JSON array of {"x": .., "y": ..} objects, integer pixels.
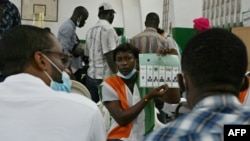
[
  {"x": 40, "y": 61},
  {"x": 245, "y": 84}
]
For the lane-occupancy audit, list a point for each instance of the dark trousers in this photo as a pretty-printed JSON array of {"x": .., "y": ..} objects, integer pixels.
[{"x": 92, "y": 85}]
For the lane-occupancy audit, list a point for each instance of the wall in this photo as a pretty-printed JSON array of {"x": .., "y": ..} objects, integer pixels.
[
  {"x": 130, "y": 14},
  {"x": 65, "y": 10},
  {"x": 185, "y": 11},
  {"x": 132, "y": 17}
]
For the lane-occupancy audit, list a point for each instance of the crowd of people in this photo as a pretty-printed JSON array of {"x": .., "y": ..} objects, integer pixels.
[{"x": 37, "y": 70}]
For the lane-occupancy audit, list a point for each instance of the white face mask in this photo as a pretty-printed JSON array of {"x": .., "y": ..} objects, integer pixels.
[
  {"x": 128, "y": 76},
  {"x": 78, "y": 22}
]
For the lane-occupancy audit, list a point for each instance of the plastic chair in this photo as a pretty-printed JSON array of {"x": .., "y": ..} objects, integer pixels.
[
  {"x": 79, "y": 88},
  {"x": 106, "y": 115}
]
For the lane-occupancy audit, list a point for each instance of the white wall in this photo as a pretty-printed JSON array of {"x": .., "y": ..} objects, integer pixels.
[
  {"x": 185, "y": 11},
  {"x": 65, "y": 10},
  {"x": 151, "y": 6},
  {"x": 130, "y": 14},
  {"x": 132, "y": 17}
]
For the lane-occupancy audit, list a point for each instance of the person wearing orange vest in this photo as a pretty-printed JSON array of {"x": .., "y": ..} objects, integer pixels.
[{"x": 131, "y": 107}]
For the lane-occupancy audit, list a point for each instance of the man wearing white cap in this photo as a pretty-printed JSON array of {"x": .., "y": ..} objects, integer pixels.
[{"x": 101, "y": 40}]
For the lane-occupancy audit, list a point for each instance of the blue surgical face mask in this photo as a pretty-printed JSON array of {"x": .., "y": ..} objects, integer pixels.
[
  {"x": 65, "y": 85},
  {"x": 128, "y": 76}
]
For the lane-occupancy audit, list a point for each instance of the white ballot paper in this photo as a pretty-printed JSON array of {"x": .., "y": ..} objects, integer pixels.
[{"x": 158, "y": 70}]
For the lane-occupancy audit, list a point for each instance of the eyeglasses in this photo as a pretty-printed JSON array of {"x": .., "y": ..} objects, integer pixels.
[{"x": 65, "y": 58}]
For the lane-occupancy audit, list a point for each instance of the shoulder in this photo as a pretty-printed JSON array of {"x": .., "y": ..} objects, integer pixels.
[
  {"x": 72, "y": 101},
  {"x": 80, "y": 99},
  {"x": 105, "y": 25},
  {"x": 67, "y": 27}
]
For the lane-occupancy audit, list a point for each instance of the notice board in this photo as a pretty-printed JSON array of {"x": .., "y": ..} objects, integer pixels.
[{"x": 244, "y": 34}]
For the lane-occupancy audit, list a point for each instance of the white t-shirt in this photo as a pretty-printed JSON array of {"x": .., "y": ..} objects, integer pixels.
[
  {"x": 137, "y": 131},
  {"x": 31, "y": 111}
]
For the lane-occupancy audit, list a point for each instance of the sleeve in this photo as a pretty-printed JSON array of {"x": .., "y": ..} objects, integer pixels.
[
  {"x": 172, "y": 44},
  {"x": 67, "y": 38},
  {"x": 111, "y": 40},
  {"x": 108, "y": 93}
]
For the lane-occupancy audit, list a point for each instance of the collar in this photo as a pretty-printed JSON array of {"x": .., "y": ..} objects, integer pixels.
[
  {"x": 24, "y": 79},
  {"x": 103, "y": 22},
  {"x": 150, "y": 29},
  {"x": 218, "y": 100}
]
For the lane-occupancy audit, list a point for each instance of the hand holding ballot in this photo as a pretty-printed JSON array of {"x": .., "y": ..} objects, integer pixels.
[
  {"x": 158, "y": 91},
  {"x": 159, "y": 70}
]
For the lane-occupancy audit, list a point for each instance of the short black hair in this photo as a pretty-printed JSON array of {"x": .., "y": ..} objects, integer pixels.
[
  {"x": 152, "y": 19},
  {"x": 18, "y": 45},
  {"x": 160, "y": 31},
  {"x": 80, "y": 10},
  {"x": 215, "y": 57},
  {"x": 126, "y": 47}
]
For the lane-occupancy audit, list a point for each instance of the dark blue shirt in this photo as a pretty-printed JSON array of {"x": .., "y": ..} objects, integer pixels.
[{"x": 9, "y": 16}]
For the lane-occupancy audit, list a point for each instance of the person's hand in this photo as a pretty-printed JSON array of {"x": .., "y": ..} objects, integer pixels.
[
  {"x": 158, "y": 91},
  {"x": 166, "y": 50},
  {"x": 70, "y": 73}
]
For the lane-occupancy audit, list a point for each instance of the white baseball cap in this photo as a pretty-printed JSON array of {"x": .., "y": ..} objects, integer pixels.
[{"x": 106, "y": 6}]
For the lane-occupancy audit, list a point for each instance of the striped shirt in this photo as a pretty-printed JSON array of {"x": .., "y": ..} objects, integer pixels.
[
  {"x": 149, "y": 41},
  {"x": 100, "y": 40},
  {"x": 205, "y": 122}
]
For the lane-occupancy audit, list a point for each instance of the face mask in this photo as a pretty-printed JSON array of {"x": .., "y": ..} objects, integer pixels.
[
  {"x": 78, "y": 22},
  {"x": 128, "y": 76},
  {"x": 65, "y": 85}
]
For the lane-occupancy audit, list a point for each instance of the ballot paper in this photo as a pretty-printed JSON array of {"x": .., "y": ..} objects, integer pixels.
[{"x": 158, "y": 70}]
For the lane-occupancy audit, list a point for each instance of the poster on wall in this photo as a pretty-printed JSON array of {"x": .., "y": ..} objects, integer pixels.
[
  {"x": 246, "y": 18},
  {"x": 158, "y": 70},
  {"x": 32, "y": 9}
]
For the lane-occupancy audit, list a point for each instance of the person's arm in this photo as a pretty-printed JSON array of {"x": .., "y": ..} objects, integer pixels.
[
  {"x": 110, "y": 61},
  {"x": 172, "y": 96},
  {"x": 66, "y": 38},
  {"x": 166, "y": 50},
  {"x": 169, "y": 48},
  {"x": 108, "y": 46},
  {"x": 124, "y": 117}
]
